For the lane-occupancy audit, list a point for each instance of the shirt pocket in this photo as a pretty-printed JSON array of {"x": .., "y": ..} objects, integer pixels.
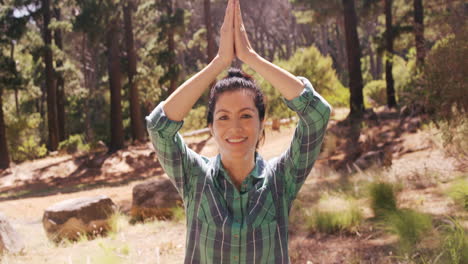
[{"x": 262, "y": 209}]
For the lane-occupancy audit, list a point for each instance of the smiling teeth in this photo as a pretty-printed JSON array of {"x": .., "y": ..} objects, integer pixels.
[{"x": 236, "y": 140}]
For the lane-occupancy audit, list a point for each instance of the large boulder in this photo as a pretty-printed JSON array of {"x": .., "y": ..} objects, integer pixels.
[
  {"x": 154, "y": 199},
  {"x": 10, "y": 240},
  {"x": 73, "y": 218}
]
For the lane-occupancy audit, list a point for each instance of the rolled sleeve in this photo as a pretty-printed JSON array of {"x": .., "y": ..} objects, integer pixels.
[{"x": 158, "y": 121}]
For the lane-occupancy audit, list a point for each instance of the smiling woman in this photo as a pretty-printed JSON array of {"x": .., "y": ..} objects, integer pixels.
[{"x": 237, "y": 204}]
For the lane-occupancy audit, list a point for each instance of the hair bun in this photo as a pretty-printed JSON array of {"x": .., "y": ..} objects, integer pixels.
[{"x": 235, "y": 72}]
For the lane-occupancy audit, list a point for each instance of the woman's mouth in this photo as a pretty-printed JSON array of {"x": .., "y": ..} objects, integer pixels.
[{"x": 236, "y": 140}]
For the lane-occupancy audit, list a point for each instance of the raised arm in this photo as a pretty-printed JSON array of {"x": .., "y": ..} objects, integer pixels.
[
  {"x": 288, "y": 85},
  {"x": 179, "y": 103}
]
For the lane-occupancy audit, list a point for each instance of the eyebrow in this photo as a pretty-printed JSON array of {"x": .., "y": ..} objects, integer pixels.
[{"x": 243, "y": 109}]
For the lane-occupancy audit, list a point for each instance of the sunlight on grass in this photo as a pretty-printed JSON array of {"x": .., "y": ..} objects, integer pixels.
[
  {"x": 335, "y": 213},
  {"x": 459, "y": 192}
]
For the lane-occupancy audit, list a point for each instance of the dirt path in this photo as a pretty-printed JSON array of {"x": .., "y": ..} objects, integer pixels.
[{"x": 417, "y": 162}]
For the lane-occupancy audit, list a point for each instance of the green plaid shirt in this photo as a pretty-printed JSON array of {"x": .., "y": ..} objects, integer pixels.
[{"x": 250, "y": 225}]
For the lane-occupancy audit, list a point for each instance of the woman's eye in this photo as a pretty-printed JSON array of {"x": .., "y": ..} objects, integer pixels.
[
  {"x": 246, "y": 116},
  {"x": 223, "y": 118}
]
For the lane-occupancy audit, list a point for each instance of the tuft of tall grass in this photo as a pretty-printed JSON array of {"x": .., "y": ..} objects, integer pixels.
[
  {"x": 459, "y": 192},
  {"x": 334, "y": 214},
  {"x": 409, "y": 226},
  {"x": 383, "y": 198},
  {"x": 455, "y": 243}
]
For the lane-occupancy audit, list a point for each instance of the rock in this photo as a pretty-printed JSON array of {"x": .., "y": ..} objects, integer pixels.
[
  {"x": 10, "y": 240},
  {"x": 72, "y": 218},
  {"x": 380, "y": 158},
  {"x": 154, "y": 199}
]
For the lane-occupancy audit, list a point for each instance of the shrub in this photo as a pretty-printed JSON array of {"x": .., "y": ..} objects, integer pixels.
[
  {"x": 444, "y": 78},
  {"x": 309, "y": 63},
  {"x": 459, "y": 192},
  {"x": 409, "y": 226},
  {"x": 375, "y": 93},
  {"x": 73, "y": 144},
  {"x": 196, "y": 119},
  {"x": 23, "y": 137},
  {"x": 334, "y": 214},
  {"x": 383, "y": 199}
]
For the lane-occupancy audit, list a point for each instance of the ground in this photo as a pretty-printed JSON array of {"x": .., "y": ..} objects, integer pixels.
[{"x": 417, "y": 161}]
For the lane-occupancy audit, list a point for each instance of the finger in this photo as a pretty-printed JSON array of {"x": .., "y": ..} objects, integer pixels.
[
  {"x": 239, "y": 21},
  {"x": 229, "y": 12}
]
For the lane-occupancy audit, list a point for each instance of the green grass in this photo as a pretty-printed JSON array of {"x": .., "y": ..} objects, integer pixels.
[
  {"x": 409, "y": 226},
  {"x": 335, "y": 214},
  {"x": 459, "y": 192},
  {"x": 455, "y": 243},
  {"x": 383, "y": 198}
]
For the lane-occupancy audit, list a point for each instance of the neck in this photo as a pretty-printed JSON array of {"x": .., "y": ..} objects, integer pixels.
[{"x": 238, "y": 168}]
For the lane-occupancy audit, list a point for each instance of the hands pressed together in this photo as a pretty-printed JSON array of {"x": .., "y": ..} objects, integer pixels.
[{"x": 234, "y": 41}]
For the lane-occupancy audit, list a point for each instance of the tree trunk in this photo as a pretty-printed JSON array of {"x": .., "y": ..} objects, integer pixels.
[
  {"x": 4, "y": 155},
  {"x": 419, "y": 31},
  {"x": 49, "y": 76},
  {"x": 60, "y": 83},
  {"x": 209, "y": 31},
  {"x": 353, "y": 50},
  {"x": 117, "y": 133},
  {"x": 391, "y": 100},
  {"x": 138, "y": 131},
  {"x": 172, "y": 50}
]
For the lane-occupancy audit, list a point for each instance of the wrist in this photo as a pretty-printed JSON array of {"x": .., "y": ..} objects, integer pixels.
[
  {"x": 251, "y": 58},
  {"x": 218, "y": 64}
]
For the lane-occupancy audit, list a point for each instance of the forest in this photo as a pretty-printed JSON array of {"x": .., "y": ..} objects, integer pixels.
[{"x": 78, "y": 77}]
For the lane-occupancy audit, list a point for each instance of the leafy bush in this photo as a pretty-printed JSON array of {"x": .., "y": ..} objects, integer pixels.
[
  {"x": 383, "y": 199},
  {"x": 334, "y": 214},
  {"x": 309, "y": 63},
  {"x": 23, "y": 137},
  {"x": 196, "y": 119},
  {"x": 73, "y": 144},
  {"x": 459, "y": 192},
  {"x": 444, "y": 78},
  {"x": 409, "y": 226},
  {"x": 375, "y": 93}
]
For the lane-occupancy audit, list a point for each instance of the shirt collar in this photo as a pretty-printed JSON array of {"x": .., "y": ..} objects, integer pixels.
[{"x": 257, "y": 171}]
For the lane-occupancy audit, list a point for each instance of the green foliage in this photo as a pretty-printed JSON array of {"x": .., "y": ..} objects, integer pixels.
[
  {"x": 375, "y": 93},
  {"x": 444, "y": 78},
  {"x": 73, "y": 144},
  {"x": 309, "y": 63},
  {"x": 409, "y": 226},
  {"x": 196, "y": 119},
  {"x": 383, "y": 199},
  {"x": 455, "y": 243},
  {"x": 23, "y": 137},
  {"x": 459, "y": 192},
  {"x": 334, "y": 214}
]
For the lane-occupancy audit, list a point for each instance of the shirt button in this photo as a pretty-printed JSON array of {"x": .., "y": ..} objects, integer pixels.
[
  {"x": 236, "y": 257},
  {"x": 237, "y": 198},
  {"x": 236, "y": 236}
]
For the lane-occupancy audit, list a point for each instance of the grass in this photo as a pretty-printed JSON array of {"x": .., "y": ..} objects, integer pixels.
[
  {"x": 335, "y": 214},
  {"x": 455, "y": 243},
  {"x": 409, "y": 226},
  {"x": 459, "y": 192},
  {"x": 383, "y": 198}
]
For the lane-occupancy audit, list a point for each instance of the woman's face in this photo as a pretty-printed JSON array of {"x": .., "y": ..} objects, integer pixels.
[{"x": 236, "y": 125}]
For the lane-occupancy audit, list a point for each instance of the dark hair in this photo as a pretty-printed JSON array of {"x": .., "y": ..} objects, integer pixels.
[{"x": 234, "y": 81}]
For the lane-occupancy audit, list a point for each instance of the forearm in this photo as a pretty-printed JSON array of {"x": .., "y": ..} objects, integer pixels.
[
  {"x": 289, "y": 86},
  {"x": 179, "y": 103}
]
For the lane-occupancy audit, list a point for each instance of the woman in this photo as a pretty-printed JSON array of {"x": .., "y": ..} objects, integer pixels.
[{"x": 237, "y": 204}]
